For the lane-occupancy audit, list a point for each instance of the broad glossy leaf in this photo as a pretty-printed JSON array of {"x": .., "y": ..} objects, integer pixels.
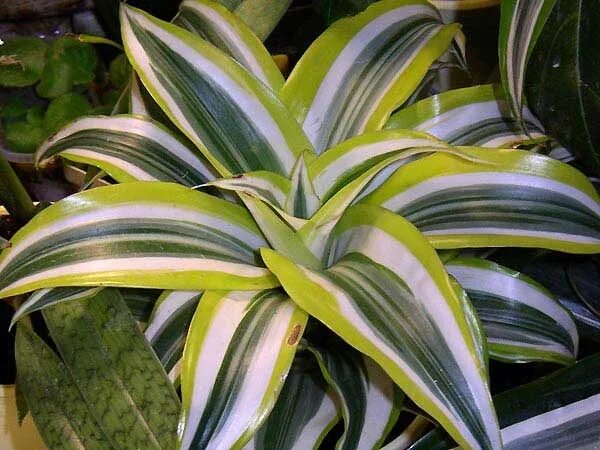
[
  {"x": 238, "y": 352},
  {"x": 115, "y": 370},
  {"x": 388, "y": 295},
  {"x": 128, "y": 148},
  {"x": 562, "y": 79},
  {"x": 140, "y": 234},
  {"x": 370, "y": 400},
  {"x": 505, "y": 198},
  {"x": 521, "y": 23},
  {"x": 477, "y": 115},
  {"x": 215, "y": 23},
  {"x": 168, "y": 326},
  {"x": 362, "y": 68},
  {"x": 260, "y": 15},
  {"x": 521, "y": 319},
  {"x": 61, "y": 415},
  {"x": 306, "y": 410},
  {"x": 234, "y": 119}
]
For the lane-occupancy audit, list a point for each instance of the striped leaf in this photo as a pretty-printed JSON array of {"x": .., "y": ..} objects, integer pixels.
[
  {"x": 389, "y": 296},
  {"x": 234, "y": 119},
  {"x": 47, "y": 297},
  {"x": 220, "y": 27},
  {"x": 561, "y": 410},
  {"x": 411, "y": 433},
  {"x": 99, "y": 336},
  {"x": 61, "y": 415},
  {"x": 140, "y": 302},
  {"x": 155, "y": 235},
  {"x": 370, "y": 400},
  {"x": 238, "y": 352},
  {"x": 269, "y": 187},
  {"x": 306, "y": 410},
  {"x": 521, "y": 23},
  {"x": 168, "y": 325},
  {"x": 341, "y": 164},
  {"x": 454, "y": 5},
  {"x": 477, "y": 115},
  {"x": 260, "y": 15},
  {"x": 506, "y": 198},
  {"x": 302, "y": 199},
  {"x": 128, "y": 148},
  {"x": 521, "y": 319},
  {"x": 362, "y": 68}
]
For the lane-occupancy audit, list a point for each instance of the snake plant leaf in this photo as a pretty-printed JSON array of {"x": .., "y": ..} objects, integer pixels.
[
  {"x": 388, "y": 295},
  {"x": 522, "y": 320},
  {"x": 260, "y": 15},
  {"x": 238, "y": 352},
  {"x": 509, "y": 198},
  {"x": 47, "y": 297},
  {"x": 140, "y": 234},
  {"x": 269, "y": 187},
  {"x": 339, "y": 165},
  {"x": 129, "y": 393},
  {"x": 215, "y": 23},
  {"x": 61, "y": 415},
  {"x": 128, "y": 148},
  {"x": 521, "y": 22},
  {"x": 168, "y": 325},
  {"x": 370, "y": 400},
  {"x": 561, "y": 408},
  {"x": 306, "y": 410},
  {"x": 302, "y": 199},
  {"x": 233, "y": 118},
  {"x": 454, "y": 5},
  {"x": 477, "y": 115},
  {"x": 362, "y": 68}
]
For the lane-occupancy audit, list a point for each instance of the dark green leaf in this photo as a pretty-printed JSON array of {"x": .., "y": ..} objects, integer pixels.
[
  {"x": 79, "y": 56},
  {"x": 24, "y": 137},
  {"x": 119, "y": 71},
  {"x": 35, "y": 114},
  {"x": 63, "y": 110},
  {"x": 57, "y": 80},
  {"x": 14, "y": 108},
  {"x": 21, "y": 61},
  {"x": 332, "y": 10},
  {"x": 563, "y": 78},
  {"x": 58, "y": 409},
  {"x": 116, "y": 371}
]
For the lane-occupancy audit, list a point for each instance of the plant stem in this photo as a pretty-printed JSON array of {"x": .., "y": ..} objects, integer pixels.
[{"x": 12, "y": 193}]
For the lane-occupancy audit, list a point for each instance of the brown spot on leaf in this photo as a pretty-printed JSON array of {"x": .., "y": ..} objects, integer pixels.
[{"x": 295, "y": 336}]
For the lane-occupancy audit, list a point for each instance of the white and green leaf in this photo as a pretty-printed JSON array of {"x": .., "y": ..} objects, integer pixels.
[
  {"x": 237, "y": 355},
  {"x": 233, "y": 118},
  {"x": 306, "y": 410},
  {"x": 369, "y": 398},
  {"x": 500, "y": 198},
  {"x": 215, "y": 23},
  {"x": 521, "y": 23},
  {"x": 387, "y": 294},
  {"x": 302, "y": 200},
  {"x": 168, "y": 326},
  {"x": 477, "y": 115},
  {"x": 47, "y": 297},
  {"x": 521, "y": 319},
  {"x": 260, "y": 15},
  {"x": 364, "y": 67},
  {"x": 128, "y": 148},
  {"x": 141, "y": 234}
]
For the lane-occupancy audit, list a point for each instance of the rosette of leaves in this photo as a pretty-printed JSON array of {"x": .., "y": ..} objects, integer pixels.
[{"x": 310, "y": 289}]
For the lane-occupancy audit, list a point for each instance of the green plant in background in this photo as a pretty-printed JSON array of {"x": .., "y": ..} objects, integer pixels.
[
  {"x": 323, "y": 275},
  {"x": 67, "y": 75}
]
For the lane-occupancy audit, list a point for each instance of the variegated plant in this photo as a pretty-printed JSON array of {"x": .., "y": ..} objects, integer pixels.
[{"x": 327, "y": 212}]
